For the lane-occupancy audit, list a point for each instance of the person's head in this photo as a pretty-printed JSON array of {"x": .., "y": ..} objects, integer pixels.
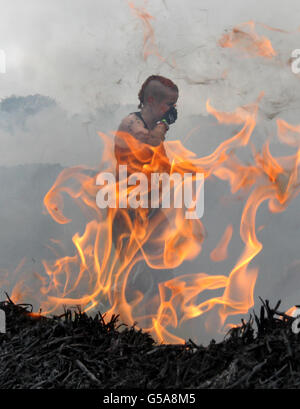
[{"x": 158, "y": 94}]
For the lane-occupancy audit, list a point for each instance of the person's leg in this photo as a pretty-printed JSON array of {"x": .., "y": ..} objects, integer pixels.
[{"x": 143, "y": 278}]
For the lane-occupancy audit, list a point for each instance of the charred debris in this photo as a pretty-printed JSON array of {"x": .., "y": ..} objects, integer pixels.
[{"x": 76, "y": 351}]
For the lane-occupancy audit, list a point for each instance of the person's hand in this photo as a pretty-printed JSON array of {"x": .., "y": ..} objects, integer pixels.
[
  {"x": 170, "y": 116},
  {"x": 156, "y": 139}
]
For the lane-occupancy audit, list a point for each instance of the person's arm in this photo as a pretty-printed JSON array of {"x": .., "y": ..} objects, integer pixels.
[
  {"x": 136, "y": 128},
  {"x": 155, "y": 137}
]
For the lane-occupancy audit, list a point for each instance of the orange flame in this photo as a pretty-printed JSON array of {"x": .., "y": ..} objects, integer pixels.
[
  {"x": 103, "y": 271},
  {"x": 220, "y": 252},
  {"x": 150, "y": 46},
  {"x": 245, "y": 38},
  {"x": 288, "y": 134}
]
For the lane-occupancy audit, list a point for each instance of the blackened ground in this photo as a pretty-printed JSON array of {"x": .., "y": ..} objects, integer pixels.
[{"x": 76, "y": 351}]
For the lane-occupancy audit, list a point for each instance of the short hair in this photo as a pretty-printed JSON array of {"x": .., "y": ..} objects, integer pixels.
[{"x": 164, "y": 81}]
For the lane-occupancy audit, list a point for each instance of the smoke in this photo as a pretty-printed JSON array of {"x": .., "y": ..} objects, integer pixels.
[
  {"x": 79, "y": 66},
  {"x": 86, "y": 55}
]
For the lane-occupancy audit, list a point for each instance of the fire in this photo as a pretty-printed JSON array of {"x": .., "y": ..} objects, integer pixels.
[
  {"x": 288, "y": 134},
  {"x": 102, "y": 273},
  {"x": 290, "y": 311},
  {"x": 245, "y": 38},
  {"x": 220, "y": 252},
  {"x": 107, "y": 263},
  {"x": 150, "y": 46}
]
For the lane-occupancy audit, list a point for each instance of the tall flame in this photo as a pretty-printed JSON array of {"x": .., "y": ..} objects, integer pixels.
[{"x": 104, "y": 272}]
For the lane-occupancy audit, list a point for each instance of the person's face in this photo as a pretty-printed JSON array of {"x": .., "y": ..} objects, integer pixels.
[{"x": 159, "y": 108}]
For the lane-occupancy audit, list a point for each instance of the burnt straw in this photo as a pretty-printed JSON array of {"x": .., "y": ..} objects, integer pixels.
[{"x": 76, "y": 351}]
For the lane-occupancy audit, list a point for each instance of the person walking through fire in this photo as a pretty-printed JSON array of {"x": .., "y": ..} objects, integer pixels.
[{"x": 139, "y": 144}]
